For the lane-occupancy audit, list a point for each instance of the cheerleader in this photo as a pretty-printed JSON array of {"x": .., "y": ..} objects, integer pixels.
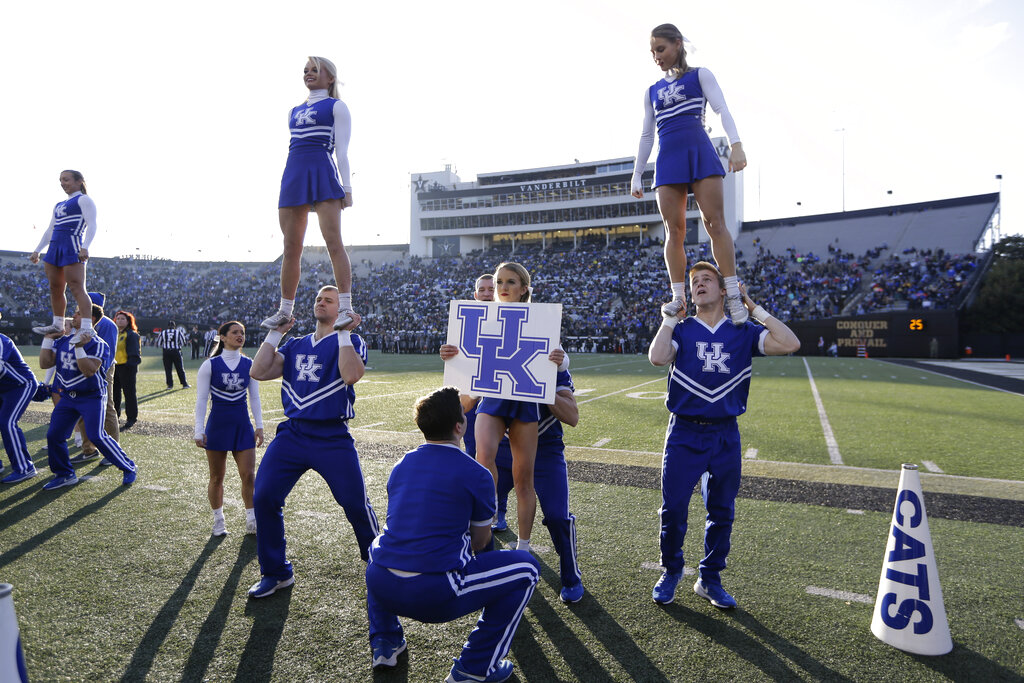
[
  {"x": 319, "y": 126},
  {"x": 69, "y": 235},
  {"x": 18, "y": 387},
  {"x": 225, "y": 376},
  {"x": 519, "y": 418},
  {"x": 688, "y": 162}
]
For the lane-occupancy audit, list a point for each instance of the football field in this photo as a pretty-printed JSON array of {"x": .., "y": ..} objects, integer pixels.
[{"x": 127, "y": 584}]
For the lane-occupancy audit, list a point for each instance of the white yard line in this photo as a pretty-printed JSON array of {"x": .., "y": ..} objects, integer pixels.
[
  {"x": 600, "y": 442},
  {"x": 830, "y": 439},
  {"x": 840, "y": 595},
  {"x": 932, "y": 467},
  {"x": 659, "y": 379},
  {"x": 750, "y": 454}
]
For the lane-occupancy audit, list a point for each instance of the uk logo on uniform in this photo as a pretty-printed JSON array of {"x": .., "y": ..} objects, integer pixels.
[
  {"x": 715, "y": 360},
  {"x": 505, "y": 355},
  {"x": 671, "y": 94},
  {"x": 67, "y": 360},
  {"x": 307, "y": 367},
  {"x": 232, "y": 381},
  {"x": 61, "y": 211},
  {"x": 306, "y": 117}
]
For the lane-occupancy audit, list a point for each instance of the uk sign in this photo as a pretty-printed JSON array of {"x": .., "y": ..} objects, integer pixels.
[{"x": 503, "y": 349}]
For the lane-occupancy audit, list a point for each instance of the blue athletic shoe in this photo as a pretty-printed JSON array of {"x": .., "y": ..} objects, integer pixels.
[
  {"x": 500, "y": 523},
  {"x": 129, "y": 477},
  {"x": 84, "y": 457},
  {"x": 665, "y": 590},
  {"x": 269, "y": 586},
  {"x": 572, "y": 593},
  {"x": 15, "y": 477},
  {"x": 58, "y": 482},
  {"x": 714, "y": 593},
  {"x": 501, "y": 673},
  {"x": 106, "y": 462},
  {"x": 385, "y": 653}
]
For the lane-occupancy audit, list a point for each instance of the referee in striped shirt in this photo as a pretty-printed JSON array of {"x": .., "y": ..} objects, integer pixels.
[{"x": 171, "y": 339}]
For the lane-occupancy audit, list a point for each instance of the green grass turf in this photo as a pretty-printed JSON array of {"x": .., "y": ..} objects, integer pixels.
[{"x": 115, "y": 584}]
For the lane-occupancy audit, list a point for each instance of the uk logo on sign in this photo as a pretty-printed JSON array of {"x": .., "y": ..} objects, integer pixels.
[{"x": 503, "y": 349}]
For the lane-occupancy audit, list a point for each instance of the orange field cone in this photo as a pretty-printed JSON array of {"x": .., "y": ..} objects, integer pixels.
[{"x": 909, "y": 612}]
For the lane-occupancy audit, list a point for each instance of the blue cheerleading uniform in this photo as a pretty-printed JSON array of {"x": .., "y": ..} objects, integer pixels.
[
  {"x": 72, "y": 227},
  {"x": 707, "y": 390},
  {"x": 319, "y": 127},
  {"x": 551, "y": 481},
  {"x": 676, "y": 106},
  {"x": 422, "y": 565},
  {"x": 18, "y": 387},
  {"x": 508, "y": 409},
  {"x": 225, "y": 381},
  {"x": 315, "y": 436},
  {"x": 81, "y": 397}
]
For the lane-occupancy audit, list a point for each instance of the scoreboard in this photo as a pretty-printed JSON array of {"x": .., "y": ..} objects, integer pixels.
[{"x": 920, "y": 333}]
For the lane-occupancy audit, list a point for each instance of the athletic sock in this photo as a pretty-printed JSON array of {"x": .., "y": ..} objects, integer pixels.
[
  {"x": 345, "y": 301},
  {"x": 732, "y": 285},
  {"x": 523, "y": 544},
  {"x": 218, "y": 514},
  {"x": 58, "y": 321},
  {"x": 287, "y": 306},
  {"x": 678, "y": 290},
  {"x": 86, "y": 323},
  {"x": 250, "y": 514}
]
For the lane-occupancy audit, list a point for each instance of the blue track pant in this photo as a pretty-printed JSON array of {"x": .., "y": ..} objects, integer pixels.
[
  {"x": 709, "y": 454},
  {"x": 299, "y": 446}
]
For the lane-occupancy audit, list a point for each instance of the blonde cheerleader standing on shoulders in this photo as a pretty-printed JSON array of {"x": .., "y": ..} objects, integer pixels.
[
  {"x": 67, "y": 241},
  {"x": 319, "y": 127}
]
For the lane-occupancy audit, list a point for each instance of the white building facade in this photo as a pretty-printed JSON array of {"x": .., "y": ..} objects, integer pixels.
[{"x": 554, "y": 207}]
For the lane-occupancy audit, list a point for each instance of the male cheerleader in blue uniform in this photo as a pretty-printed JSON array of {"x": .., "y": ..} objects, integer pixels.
[
  {"x": 422, "y": 566},
  {"x": 550, "y": 479},
  {"x": 707, "y": 389},
  {"x": 18, "y": 388},
  {"x": 317, "y": 373},
  {"x": 82, "y": 378}
]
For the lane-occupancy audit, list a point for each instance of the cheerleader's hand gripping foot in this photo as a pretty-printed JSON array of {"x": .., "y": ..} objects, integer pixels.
[
  {"x": 672, "y": 308},
  {"x": 48, "y": 329}
]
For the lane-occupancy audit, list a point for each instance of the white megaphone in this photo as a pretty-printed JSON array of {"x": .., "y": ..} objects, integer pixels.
[
  {"x": 12, "y": 661},
  {"x": 909, "y": 612}
]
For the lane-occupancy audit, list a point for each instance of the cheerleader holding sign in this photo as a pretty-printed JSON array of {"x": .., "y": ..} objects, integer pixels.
[
  {"x": 71, "y": 231},
  {"x": 688, "y": 162},
  {"x": 319, "y": 126}
]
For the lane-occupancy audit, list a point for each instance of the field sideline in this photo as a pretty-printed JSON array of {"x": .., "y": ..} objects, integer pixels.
[{"x": 114, "y": 584}]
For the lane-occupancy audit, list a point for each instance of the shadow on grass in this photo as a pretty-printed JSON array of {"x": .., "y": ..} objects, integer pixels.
[
  {"x": 210, "y": 632},
  {"x": 149, "y": 646},
  {"x": 35, "y": 504},
  {"x": 615, "y": 640},
  {"x": 965, "y": 664},
  {"x": 269, "y": 615},
  {"x": 755, "y": 650},
  {"x": 152, "y": 396}
]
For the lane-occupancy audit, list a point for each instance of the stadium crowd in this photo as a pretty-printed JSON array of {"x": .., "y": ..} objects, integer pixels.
[{"x": 606, "y": 291}]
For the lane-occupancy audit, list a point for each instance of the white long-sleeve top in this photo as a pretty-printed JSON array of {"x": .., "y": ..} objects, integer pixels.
[
  {"x": 231, "y": 359},
  {"x": 712, "y": 93},
  {"x": 88, "y": 207},
  {"x": 342, "y": 135}
]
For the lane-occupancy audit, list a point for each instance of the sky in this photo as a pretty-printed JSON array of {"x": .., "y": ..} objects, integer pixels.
[{"x": 176, "y": 113}]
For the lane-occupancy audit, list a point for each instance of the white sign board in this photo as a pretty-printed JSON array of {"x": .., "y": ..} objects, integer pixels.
[{"x": 503, "y": 349}]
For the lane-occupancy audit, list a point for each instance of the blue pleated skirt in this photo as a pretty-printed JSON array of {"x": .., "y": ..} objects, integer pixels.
[
  {"x": 228, "y": 429},
  {"x": 509, "y": 410},
  {"x": 309, "y": 177},
  {"x": 63, "y": 249},
  {"x": 685, "y": 154}
]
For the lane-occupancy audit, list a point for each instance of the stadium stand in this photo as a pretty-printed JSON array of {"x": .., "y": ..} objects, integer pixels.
[{"x": 920, "y": 255}]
